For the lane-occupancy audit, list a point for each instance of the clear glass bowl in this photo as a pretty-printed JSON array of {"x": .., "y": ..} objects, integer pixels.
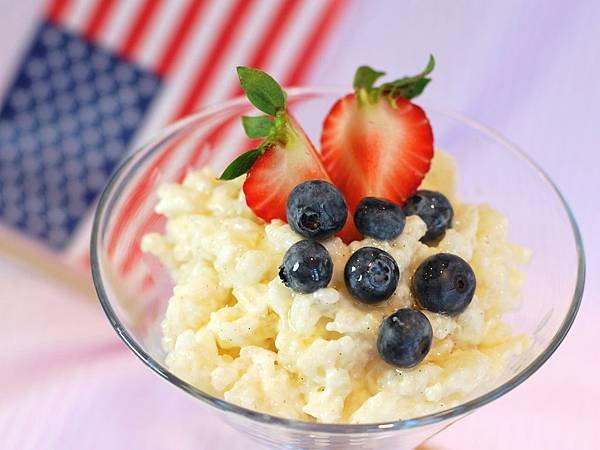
[{"x": 134, "y": 289}]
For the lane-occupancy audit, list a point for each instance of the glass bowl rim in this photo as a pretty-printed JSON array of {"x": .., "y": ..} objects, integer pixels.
[{"x": 316, "y": 427}]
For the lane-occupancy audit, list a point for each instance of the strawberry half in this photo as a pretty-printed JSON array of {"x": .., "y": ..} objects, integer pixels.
[
  {"x": 279, "y": 170},
  {"x": 283, "y": 160},
  {"x": 375, "y": 142}
]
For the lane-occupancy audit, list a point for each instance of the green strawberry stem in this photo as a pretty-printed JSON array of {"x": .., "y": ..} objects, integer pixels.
[
  {"x": 266, "y": 95},
  {"x": 406, "y": 87}
]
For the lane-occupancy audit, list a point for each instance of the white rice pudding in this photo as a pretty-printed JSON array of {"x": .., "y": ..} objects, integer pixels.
[{"x": 233, "y": 330}]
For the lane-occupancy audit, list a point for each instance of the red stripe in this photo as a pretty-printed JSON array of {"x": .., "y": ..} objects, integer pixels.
[
  {"x": 263, "y": 52},
  {"x": 180, "y": 35},
  {"x": 56, "y": 10},
  {"x": 98, "y": 19},
  {"x": 148, "y": 281},
  {"x": 140, "y": 26},
  {"x": 314, "y": 42},
  {"x": 219, "y": 48},
  {"x": 135, "y": 252},
  {"x": 276, "y": 27},
  {"x": 139, "y": 194},
  {"x": 304, "y": 61},
  {"x": 84, "y": 259}
]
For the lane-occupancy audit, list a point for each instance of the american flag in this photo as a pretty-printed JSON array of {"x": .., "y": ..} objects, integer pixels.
[{"x": 101, "y": 76}]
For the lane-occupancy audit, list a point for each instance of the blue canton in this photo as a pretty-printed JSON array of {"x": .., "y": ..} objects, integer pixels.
[{"x": 65, "y": 123}]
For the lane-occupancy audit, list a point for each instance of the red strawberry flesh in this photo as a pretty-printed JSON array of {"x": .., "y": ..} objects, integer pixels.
[
  {"x": 374, "y": 149},
  {"x": 278, "y": 170}
]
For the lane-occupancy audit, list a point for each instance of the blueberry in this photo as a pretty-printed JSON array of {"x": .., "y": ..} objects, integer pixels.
[
  {"x": 435, "y": 210},
  {"x": 371, "y": 275},
  {"x": 444, "y": 284},
  {"x": 405, "y": 338},
  {"x": 306, "y": 267},
  {"x": 379, "y": 218},
  {"x": 316, "y": 209}
]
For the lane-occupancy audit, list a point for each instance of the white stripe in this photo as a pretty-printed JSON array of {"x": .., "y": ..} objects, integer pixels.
[
  {"x": 161, "y": 28},
  {"x": 79, "y": 14},
  {"x": 230, "y": 143},
  {"x": 120, "y": 22},
  {"x": 168, "y": 171},
  {"x": 295, "y": 35},
  {"x": 227, "y": 147},
  {"x": 190, "y": 61},
  {"x": 246, "y": 39}
]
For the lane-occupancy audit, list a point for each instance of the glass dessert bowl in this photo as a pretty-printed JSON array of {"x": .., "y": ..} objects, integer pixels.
[{"x": 134, "y": 288}]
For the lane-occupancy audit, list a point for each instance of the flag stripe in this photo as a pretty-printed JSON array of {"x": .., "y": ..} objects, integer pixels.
[
  {"x": 305, "y": 58},
  {"x": 132, "y": 236},
  {"x": 278, "y": 24},
  {"x": 244, "y": 46},
  {"x": 180, "y": 35},
  {"x": 143, "y": 188},
  {"x": 119, "y": 25},
  {"x": 98, "y": 19},
  {"x": 271, "y": 32},
  {"x": 314, "y": 42},
  {"x": 57, "y": 10},
  {"x": 139, "y": 27},
  {"x": 264, "y": 50},
  {"x": 219, "y": 48},
  {"x": 192, "y": 58},
  {"x": 78, "y": 15},
  {"x": 138, "y": 195}
]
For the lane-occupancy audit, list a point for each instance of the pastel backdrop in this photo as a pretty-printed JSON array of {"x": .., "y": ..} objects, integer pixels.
[{"x": 527, "y": 69}]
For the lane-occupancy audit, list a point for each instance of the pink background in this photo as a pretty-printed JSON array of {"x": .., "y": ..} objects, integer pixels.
[{"x": 528, "y": 69}]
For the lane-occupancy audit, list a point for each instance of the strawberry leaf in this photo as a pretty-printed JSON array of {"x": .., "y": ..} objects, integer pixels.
[
  {"x": 406, "y": 87},
  {"x": 262, "y": 90},
  {"x": 409, "y": 87},
  {"x": 257, "y": 127},
  {"x": 365, "y": 77},
  {"x": 242, "y": 164}
]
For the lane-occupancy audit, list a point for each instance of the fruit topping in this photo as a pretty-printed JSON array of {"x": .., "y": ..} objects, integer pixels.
[
  {"x": 284, "y": 159},
  {"x": 371, "y": 275},
  {"x": 306, "y": 267},
  {"x": 444, "y": 283},
  {"x": 405, "y": 338},
  {"x": 375, "y": 142},
  {"x": 435, "y": 210},
  {"x": 316, "y": 209},
  {"x": 379, "y": 218}
]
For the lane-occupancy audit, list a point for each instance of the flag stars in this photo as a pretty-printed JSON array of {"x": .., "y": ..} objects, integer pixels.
[
  {"x": 56, "y": 60},
  {"x": 81, "y": 72},
  {"x": 77, "y": 50},
  {"x": 124, "y": 74},
  {"x": 65, "y": 102},
  {"x": 40, "y": 90},
  {"x": 21, "y": 99},
  {"x": 85, "y": 93},
  {"x": 67, "y": 120},
  {"x": 100, "y": 62},
  {"x": 36, "y": 69},
  {"x": 91, "y": 137},
  {"x": 61, "y": 81},
  {"x": 25, "y": 121},
  {"x": 51, "y": 38}
]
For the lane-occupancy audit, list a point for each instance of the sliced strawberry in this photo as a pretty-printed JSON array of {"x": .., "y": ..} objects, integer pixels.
[
  {"x": 278, "y": 170},
  {"x": 376, "y": 150},
  {"x": 376, "y": 142},
  {"x": 283, "y": 160}
]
